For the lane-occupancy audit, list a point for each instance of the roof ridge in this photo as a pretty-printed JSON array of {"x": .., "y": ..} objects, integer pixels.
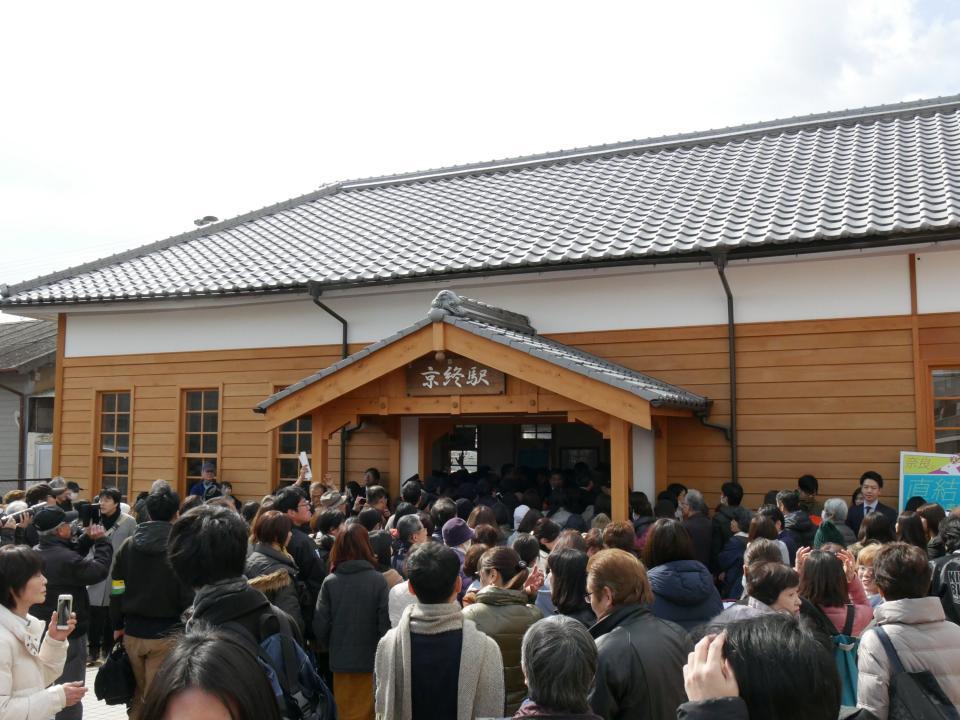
[
  {"x": 10, "y": 290},
  {"x": 690, "y": 139}
]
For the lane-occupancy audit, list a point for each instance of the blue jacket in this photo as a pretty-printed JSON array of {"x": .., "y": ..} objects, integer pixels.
[{"x": 684, "y": 593}]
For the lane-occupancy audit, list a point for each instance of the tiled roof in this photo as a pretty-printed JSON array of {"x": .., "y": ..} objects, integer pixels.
[
  {"x": 874, "y": 175},
  {"x": 515, "y": 331},
  {"x": 27, "y": 345}
]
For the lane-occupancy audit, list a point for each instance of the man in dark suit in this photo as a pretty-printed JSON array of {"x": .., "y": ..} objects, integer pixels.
[{"x": 871, "y": 483}]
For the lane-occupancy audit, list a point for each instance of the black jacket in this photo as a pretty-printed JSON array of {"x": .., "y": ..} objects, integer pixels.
[
  {"x": 153, "y": 599},
  {"x": 802, "y": 527},
  {"x": 946, "y": 585},
  {"x": 68, "y": 571},
  {"x": 275, "y": 575},
  {"x": 234, "y": 601},
  {"x": 304, "y": 552},
  {"x": 351, "y": 616},
  {"x": 700, "y": 528},
  {"x": 721, "y": 529},
  {"x": 728, "y": 708},
  {"x": 639, "y": 665}
]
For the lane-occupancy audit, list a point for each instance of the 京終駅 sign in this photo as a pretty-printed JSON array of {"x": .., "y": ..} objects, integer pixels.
[{"x": 453, "y": 376}]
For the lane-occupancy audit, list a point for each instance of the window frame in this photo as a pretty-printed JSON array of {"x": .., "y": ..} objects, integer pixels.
[
  {"x": 182, "y": 455},
  {"x": 97, "y": 454},
  {"x": 931, "y": 399},
  {"x": 276, "y": 457}
]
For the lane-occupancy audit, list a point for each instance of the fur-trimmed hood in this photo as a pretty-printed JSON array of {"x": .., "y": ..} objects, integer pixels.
[{"x": 271, "y": 582}]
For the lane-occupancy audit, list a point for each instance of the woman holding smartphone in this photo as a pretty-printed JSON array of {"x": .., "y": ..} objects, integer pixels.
[{"x": 27, "y": 664}]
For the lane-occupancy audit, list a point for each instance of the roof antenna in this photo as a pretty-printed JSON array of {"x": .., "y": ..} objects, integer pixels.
[{"x": 206, "y": 220}]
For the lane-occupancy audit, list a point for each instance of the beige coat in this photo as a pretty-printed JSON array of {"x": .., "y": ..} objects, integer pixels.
[
  {"x": 922, "y": 639},
  {"x": 27, "y": 667}
]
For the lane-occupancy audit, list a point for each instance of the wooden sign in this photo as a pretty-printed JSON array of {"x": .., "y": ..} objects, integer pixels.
[{"x": 453, "y": 376}]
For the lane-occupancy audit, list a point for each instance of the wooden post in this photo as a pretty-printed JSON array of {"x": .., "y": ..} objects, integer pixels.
[
  {"x": 321, "y": 448},
  {"x": 621, "y": 471}
]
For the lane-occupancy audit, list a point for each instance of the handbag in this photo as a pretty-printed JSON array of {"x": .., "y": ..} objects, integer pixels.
[
  {"x": 914, "y": 695},
  {"x": 115, "y": 683}
]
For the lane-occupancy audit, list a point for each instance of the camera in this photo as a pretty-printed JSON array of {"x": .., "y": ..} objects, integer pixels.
[{"x": 88, "y": 513}]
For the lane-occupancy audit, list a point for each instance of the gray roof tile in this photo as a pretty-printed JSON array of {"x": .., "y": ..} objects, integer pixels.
[
  {"x": 875, "y": 173},
  {"x": 27, "y": 345},
  {"x": 514, "y": 330}
]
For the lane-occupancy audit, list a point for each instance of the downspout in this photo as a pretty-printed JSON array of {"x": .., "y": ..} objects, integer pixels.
[
  {"x": 315, "y": 290},
  {"x": 21, "y": 435},
  {"x": 720, "y": 260}
]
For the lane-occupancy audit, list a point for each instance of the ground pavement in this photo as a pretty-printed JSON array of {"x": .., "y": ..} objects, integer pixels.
[{"x": 94, "y": 709}]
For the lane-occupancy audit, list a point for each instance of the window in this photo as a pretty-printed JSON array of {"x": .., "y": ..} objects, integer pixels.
[
  {"x": 293, "y": 438},
  {"x": 946, "y": 410},
  {"x": 463, "y": 445},
  {"x": 113, "y": 441},
  {"x": 536, "y": 432},
  {"x": 41, "y": 415},
  {"x": 201, "y": 432}
]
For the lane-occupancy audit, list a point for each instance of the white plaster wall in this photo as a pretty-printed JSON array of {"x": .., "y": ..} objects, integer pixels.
[
  {"x": 663, "y": 296},
  {"x": 937, "y": 281},
  {"x": 644, "y": 462}
]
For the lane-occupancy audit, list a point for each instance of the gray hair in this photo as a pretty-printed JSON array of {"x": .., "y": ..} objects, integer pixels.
[
  {"x": 408, "y": 526},
  {"x": 695, "y": 501},
  {"x": 559, "y": 660},
  {"x": 835, "y": 510}
]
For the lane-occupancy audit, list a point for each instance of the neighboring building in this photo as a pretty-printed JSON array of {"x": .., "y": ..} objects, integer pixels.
[
  {"x": 838, "y": 236},
  {"x": 27, "y": 361}
]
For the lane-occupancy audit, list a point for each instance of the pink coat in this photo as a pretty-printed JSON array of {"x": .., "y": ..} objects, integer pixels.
[{"x": 863, "y": 615}]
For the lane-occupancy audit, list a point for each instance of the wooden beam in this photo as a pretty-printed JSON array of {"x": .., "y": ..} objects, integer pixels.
[
  {"x": 392, "y": 429},
  {"x": 438, "y": 333},
  {"x": 921, "y": 391},
  {"x": 594, "y": 418},
  {"x": 349, "y": 378},
  {"x": 554, "y": 378},
  {"x": 660, "y": 445},
  {"x": 321, "y": 447},
  {"x": 670, "y": 412},
  {"x": 621, "y": 470}
]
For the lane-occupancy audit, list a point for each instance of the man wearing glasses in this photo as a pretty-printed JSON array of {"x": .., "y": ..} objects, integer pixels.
[{"x": 293, "y": 501}]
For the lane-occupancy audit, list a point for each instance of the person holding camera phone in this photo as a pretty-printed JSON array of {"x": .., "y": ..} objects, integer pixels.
[
  {"x": 30, "y": 662},
  {"x": 69, "y": 570}
]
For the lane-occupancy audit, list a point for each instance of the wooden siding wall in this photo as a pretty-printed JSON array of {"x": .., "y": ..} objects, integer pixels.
[
  {"x": 156, "y": 381},
  {"x": 830, "y": 397}
]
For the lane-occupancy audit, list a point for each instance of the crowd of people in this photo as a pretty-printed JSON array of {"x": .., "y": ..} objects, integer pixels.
[{"x": 477, "y": 595}]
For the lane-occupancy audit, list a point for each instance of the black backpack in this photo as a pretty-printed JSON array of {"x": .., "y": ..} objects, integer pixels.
[{"x": 914, "y": 695}]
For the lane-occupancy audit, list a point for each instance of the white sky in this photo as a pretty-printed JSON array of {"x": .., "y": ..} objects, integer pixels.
[{"x": 120, "y": 123}]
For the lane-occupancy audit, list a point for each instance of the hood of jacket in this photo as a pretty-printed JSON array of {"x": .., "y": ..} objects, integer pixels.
[
  {"x": 682, "y": 582},
  {"x": 642, "y": 524},
  {"x": 152, "y": 537},
  {"x": 352, "y": 567},
  {"x": 910, "y": 611},
  {"x": 227, "y": 600},
  {"x": 493, "y": 595},
  {"x": 798, "y": 521}
]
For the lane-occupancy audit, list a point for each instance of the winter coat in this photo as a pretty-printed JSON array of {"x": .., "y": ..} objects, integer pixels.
[
  {"x": 728, "y": 708},
  {"x": 863, "y": 615},
  {"x": 730, "y": 564},
  {"x": 68, "y": 571},
  {"x": 743, "y": 610},
  {"x": 856, "y": 514},
  {"x": 151, "y": 598},
  {"x": 946, "y": 585},
  {"x": 700, "y": 528},
  {"x": 640, "y": 661},
  {"x": 802, "y": 527},
  {"x": 505, "y": 616},
  {"x": 274, "y": 573},
  {"x": 830, "y": 532},
  {"x": 684, "y": 593},
  {"x": 304, "y": 552},
  {"x": 234, "y": 601},
  {"x": 122, "y": 528},
  {"x": 351, "y": 616},
  {"x": 480, "y": 680},
  {"x": 923, "y": 639},
  {"x": 641, "y": 526},
  {"x": 28, "y": 667},
  {"x": 721, "y": 529}
]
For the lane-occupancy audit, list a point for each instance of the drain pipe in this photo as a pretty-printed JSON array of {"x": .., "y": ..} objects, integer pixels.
[
  {"x": 315, "y": 290},
  {"x": 21, "y": 434},
  {"x": 720, "y": 260}
]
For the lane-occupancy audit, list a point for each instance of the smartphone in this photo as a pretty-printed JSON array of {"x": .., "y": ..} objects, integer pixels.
[{"x": 64, "y": 609}]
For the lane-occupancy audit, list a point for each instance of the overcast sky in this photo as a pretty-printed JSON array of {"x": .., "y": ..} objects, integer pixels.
[{"x": 122, "y": 123}]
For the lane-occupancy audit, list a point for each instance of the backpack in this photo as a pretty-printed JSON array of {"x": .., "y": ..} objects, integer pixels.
[
  {"x": 914, "y": 695},
  {"x": 300, "y": 691},
  {"x": 845, "y": 648}
]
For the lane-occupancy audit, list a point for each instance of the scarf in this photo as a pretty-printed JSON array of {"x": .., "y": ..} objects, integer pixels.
[
  {"x": 422, "y": 620},
  {"x": 28, "y": 630}
]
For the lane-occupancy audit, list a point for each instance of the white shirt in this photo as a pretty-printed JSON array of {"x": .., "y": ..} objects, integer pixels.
[{"x": 398, "y": 601}]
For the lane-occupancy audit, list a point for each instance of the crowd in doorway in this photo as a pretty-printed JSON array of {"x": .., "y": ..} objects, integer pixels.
[{"x": 483, "y": 595}]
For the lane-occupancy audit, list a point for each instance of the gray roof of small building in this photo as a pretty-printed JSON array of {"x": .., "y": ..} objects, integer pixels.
[
  {"x": 875, "y": 175},
  {"x": 514, "y": 330},
  {"x": 27, "y": 345}
]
